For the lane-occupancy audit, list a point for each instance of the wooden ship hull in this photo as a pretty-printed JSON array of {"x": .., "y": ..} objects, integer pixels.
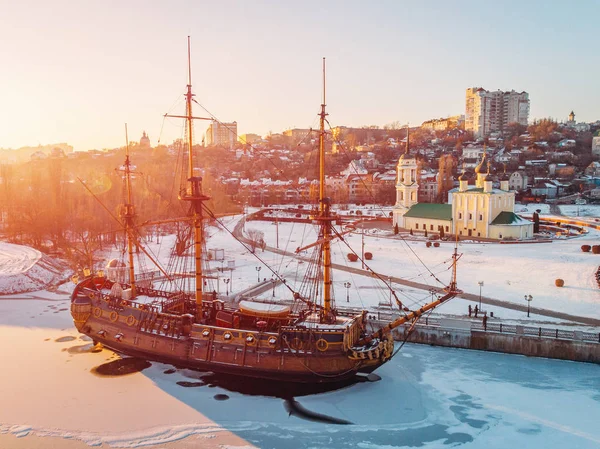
[{"x": 301, "y": 352}]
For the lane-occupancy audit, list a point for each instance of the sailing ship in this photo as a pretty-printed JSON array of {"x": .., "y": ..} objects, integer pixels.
[{"x": 312, "y": 342}]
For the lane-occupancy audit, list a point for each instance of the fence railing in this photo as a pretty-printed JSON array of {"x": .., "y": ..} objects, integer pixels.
[
  {"x": 384, "y": 316},
  {"x": 529, "y": 331}
]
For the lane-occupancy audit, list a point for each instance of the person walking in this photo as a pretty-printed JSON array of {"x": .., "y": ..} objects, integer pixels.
[
  {"x": 476, "y": 310},
  {"x": 470, "y": 310},
  {"x": 485, "y": 322}
]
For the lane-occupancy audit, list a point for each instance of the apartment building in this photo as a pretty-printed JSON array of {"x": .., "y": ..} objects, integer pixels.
[
  {"x": 223, "y": 134},
  {"x": 487, "y": 112}
]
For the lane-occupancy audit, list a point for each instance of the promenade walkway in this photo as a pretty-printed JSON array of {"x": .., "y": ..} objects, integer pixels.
[{"x": 467, "y": 296}]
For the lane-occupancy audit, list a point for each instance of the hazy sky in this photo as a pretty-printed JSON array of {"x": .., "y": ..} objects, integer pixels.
[{"x": 76, "y": 71}]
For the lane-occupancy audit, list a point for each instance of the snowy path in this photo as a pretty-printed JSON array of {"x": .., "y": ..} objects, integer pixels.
[{"x": 16, "y": 259}]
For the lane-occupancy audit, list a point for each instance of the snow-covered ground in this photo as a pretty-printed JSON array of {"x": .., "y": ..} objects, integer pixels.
[
  {"x": 580, "y": 210},
  {"x": 508, "y": 271}
]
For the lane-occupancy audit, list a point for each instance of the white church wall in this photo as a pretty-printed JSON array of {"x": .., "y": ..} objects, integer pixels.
[
  {"x": 429, "y": 224},
  {"x": 520, "y": 232}
]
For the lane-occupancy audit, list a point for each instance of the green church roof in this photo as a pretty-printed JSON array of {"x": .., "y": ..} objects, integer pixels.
[
  {"x": 509, "y": 218},
  {"x": 430, "y": 210}
]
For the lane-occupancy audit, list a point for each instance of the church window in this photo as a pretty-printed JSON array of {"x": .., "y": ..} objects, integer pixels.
[
  {"x": 416, "y": 225},
  {"x": 470, "y": 216},
  {"x": 479, "y": 234},
  {"x": 431, "y": 227},
  {"x": 459, "y": 215},
  {"x": 446, "y": 228},
  {"x": 480, "y": 217}
]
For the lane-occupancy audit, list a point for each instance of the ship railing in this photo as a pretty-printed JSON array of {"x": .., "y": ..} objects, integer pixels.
[
  {"x": 152, "y": 292},
  {"x": 353, "y": 333},
  {"x": 118, "y": 303},
  {"x": 166, "y": 324},
  {"x": 175, "y": 301}
]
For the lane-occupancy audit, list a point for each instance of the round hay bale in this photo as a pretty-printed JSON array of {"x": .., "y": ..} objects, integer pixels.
[{"x": 559, "y": 283}]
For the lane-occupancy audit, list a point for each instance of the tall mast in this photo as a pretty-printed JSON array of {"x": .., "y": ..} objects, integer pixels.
[
  {"x": 325, "y": 219},
  {"x": 128, "y": 214},
  {"x": 193, "y": 192}
]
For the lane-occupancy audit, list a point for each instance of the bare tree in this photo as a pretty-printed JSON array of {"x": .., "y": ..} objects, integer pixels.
[{"x": 257, "y": 238}]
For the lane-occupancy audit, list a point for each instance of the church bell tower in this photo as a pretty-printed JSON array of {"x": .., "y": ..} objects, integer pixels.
[{"x": 406, "y": 185}]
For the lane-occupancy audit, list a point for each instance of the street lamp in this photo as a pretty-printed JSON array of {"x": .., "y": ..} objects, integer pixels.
[
  {"x": 226, "y": 286},
  {"x": 347, "y": 285},
  {"x": 480, "y": 285},
  {"x": 528, "y": 298},
  {"x": 258, "y": 273}
]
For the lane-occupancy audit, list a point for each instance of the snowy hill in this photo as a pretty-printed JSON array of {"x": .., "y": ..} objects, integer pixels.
[{"x": 24, "y": 269}]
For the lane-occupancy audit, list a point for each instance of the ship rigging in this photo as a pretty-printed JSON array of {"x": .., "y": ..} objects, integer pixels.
[{"x": 314, "y": 343}]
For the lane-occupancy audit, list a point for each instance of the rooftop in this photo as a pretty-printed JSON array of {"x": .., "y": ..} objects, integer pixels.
[
  {"x": 509, "y": 218},
  {"x": 431, "y": 210}
]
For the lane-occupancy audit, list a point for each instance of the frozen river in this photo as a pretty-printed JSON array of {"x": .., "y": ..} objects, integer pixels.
[{"x": 427, "y": 397}]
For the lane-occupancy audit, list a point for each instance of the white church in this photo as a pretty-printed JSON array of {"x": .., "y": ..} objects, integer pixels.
[{"x": 472, "y": 211}]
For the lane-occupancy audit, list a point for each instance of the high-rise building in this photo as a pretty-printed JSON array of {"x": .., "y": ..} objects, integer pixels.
[
  {"x": 487, "y": 111},
  {"x": 596, "y": 144},
  {"x": 224, "y": 134}
]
